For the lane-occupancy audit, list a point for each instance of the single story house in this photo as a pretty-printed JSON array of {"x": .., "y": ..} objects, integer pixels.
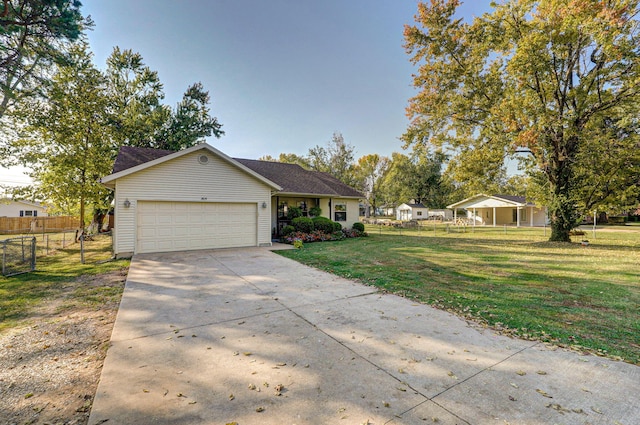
[
  {"x": 200, "y": 198},
  {"x": 406, "y": 212},
  {"x": 20, "y": 208},
  {"x": 498, "y": 210}
]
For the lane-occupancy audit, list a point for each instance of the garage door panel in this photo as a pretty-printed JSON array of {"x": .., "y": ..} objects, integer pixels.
[
  {"x": 163, "y": 232},
  {"x": 177, "y": 226}
]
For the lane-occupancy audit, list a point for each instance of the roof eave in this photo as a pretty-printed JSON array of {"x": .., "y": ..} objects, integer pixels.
[
  {"x": 317, "y": 195},
  {"x": 107, "y": 180}
]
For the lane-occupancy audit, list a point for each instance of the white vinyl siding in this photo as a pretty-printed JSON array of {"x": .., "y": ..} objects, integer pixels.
[
  {"x": 20, "y": 209},
  {"x": 185, "y": 179},
  {"x": 181, "y": 226}
]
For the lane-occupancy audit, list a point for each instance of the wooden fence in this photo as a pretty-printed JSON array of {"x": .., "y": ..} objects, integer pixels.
[{"x": 20, "y": 225}]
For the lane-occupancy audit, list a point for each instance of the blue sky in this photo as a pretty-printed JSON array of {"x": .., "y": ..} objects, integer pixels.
[{"x": 283, "y": 75}]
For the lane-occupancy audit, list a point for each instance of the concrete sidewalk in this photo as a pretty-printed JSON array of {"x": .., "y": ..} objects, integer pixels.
[{"x": 248, "y": 337}]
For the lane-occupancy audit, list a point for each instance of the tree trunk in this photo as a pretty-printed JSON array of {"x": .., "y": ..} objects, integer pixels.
[
  {"x": 562, "y": 211},
  {"x": 560, "y": 214}
]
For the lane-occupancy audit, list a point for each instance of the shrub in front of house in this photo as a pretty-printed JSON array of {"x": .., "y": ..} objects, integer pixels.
[
  {"x": 294, "y": 212},
  {"x": 354, "y": 233},
  {"x": 337, "y": 226},
  {"x": 287, "y": 230},
  {"x": 314, "y": 236},
  {"x": 303, "y": 224},
  {"x": 321, "y": 236},
  {"x": 323, "y": 224},
  {"x": 358, "y": 226},
  {"x": 315, "y": 212}
]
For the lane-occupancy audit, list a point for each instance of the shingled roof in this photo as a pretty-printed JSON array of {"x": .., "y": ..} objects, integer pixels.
[
  {"x": 291, "y": 177},
  {"x": 129, "y": 157},
  {"x": 296, "y": 180}
]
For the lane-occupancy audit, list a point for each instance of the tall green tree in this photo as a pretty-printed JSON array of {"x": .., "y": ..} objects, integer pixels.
[
  {"x": 336, "y": 159},
  {"x": 608, "y": 180},
  {"x": 417, "y": 177},
  {"x": 34, "y": 35},
  {"x": 535, "y": 74},
  {"x": 137, "y": 115},
  {"x": 369, "y": 172},
  {"x": 64, "y": 140},
  {"x": 289, "y": 158},
  {"x": 190, "y": 122}
]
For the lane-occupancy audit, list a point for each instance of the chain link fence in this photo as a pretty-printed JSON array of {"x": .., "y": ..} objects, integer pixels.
[{"x": 18, "y": 255}]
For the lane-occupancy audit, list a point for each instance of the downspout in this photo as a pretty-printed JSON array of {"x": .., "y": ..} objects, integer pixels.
[{"x": 277, "y": 232}]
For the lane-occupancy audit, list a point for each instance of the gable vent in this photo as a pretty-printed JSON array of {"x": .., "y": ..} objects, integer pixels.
[{"x": 203, "y": 159}]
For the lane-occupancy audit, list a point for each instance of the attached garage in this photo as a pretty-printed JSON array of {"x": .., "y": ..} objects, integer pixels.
[
  {"x": 197, "y": 198},
  {"x": 181, "y": 226}
]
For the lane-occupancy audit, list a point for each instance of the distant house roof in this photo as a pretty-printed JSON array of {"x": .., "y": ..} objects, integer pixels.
[
  {"x": 513, "y": 198},
  {"x": 22, "y": 201},
  {"x": 419, "y": 205},
  {"x": 291, "y": 177}
]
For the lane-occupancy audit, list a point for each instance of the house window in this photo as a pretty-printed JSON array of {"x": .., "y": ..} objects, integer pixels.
[
  {"x": 340, "y": 212},
  {"x": 419, "y": 213},
  {"x": 28, "y": 213}
]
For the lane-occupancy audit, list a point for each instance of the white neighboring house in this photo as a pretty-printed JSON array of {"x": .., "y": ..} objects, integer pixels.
[
  {"x": 11, "y": 208},
  {"x": 406, "y": 212},
  {"x": 498, "y": 210}
]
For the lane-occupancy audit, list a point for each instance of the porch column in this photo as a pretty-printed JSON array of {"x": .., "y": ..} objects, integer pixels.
[
  {"x": 494, "y": 216},
  {"x": 474, "y": 217},
  {"x": 517, "y": 216},
  {"x": 455, "y": 215},
  {"x": 531, "y": 216}
]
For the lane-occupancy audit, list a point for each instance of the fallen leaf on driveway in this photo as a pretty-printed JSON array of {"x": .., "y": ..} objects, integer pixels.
[
  {"x": 595, "y": 409},
  {"x": 556, "y": 406},
  {"x": 279, "y": 389},
  {"x": 543, "y": 393},
  {"x": 521, "y": 372}
]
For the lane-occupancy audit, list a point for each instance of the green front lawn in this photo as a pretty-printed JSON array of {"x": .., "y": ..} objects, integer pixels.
[{"x": 511, "y": 279}]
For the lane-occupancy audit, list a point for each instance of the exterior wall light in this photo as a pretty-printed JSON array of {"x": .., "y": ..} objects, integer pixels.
[
  {"x": 126, "y": 203},
  {"x": 264, "y": 204}
]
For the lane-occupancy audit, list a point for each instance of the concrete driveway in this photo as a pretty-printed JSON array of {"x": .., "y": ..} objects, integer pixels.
[{"x": 248, "y": 337}]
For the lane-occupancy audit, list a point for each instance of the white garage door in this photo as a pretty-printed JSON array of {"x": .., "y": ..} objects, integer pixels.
[{"x": 181, "y": 226}]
